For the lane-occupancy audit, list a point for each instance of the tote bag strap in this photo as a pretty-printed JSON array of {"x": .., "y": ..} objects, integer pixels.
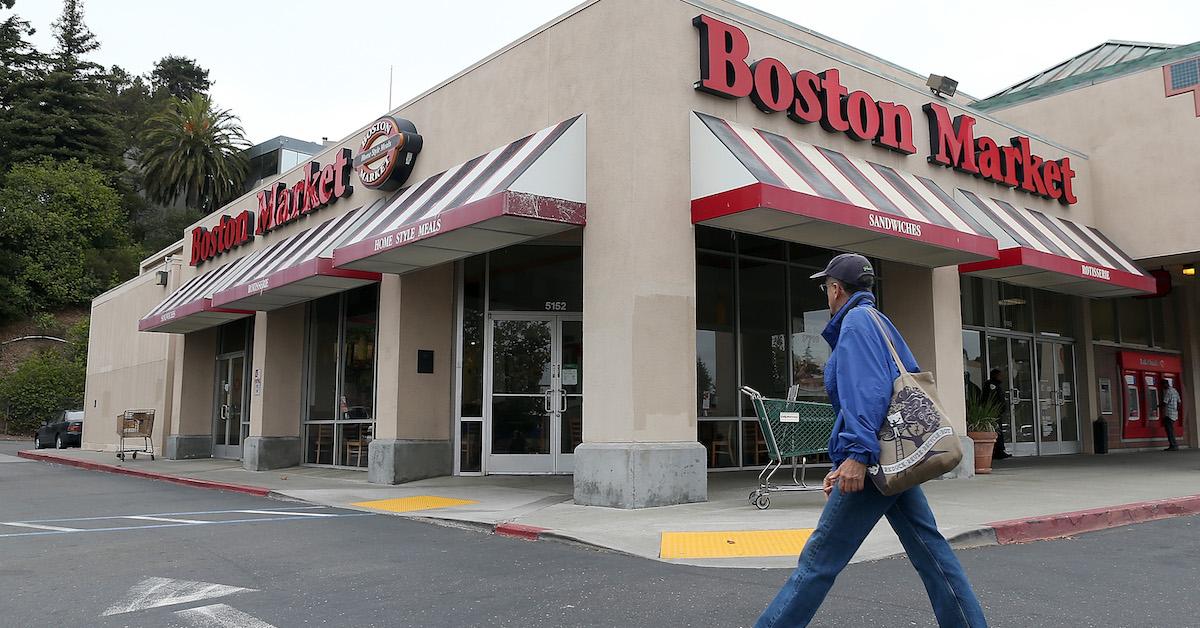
[{"x": 887, "y": 338}]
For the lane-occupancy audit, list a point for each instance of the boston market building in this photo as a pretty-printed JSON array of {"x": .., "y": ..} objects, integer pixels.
[{"x": 559, "y": 261}]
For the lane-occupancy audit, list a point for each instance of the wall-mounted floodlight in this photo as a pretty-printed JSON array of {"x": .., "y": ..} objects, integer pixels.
[{"x": 943, "y": 86}]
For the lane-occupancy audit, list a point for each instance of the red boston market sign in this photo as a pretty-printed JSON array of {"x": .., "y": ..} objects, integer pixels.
[
  {"x": 386, "y": 158},
  {"x": 807, "y": 97}
]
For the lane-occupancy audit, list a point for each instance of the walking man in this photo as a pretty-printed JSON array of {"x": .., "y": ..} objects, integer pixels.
[
  {"x": 1170, "y": 402},
  {"x": 858, "y": 378},
  {"x": 994, "y": 392}
]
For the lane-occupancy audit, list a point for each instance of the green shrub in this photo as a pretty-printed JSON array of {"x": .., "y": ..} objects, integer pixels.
[{"x": 41, "y": 385}]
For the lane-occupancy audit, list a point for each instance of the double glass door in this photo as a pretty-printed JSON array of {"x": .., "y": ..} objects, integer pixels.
[
  {"x": 1038, "y": 378},
  {"x": 231, "y": 423},
  {"x": 534, "y": 393}
]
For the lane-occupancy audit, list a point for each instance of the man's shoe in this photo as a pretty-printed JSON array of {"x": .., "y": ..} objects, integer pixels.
[
  {"x": 1002, "y": 455},
  {"x": 1171, "y": 449}
]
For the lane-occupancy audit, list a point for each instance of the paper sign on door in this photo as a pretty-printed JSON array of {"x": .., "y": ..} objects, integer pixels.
[{"x": 570, "y": 377}]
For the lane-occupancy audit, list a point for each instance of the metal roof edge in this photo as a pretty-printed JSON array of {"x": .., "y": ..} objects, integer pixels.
[
  {"x": 922, "y": 90},
  {"x": 1087, "y": 79}
]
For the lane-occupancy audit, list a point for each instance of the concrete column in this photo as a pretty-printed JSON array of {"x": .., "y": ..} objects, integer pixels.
[
  {"x": 1087, "y": 399},
  {"x": 194, "y": 380},
  {"x": 1187, "y": 306},
  {"x": 924, "y": 305},
  {"x": 639, "y": 294},
  {"x": 413, "y": 410},
  {"x": 276, "y": 390}
]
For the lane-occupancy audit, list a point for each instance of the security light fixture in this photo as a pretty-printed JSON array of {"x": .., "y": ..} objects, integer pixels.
[
  {"x": 162, "y": 277},
  {"x": 943, "y": 86},
  {"x": 1190, "y": 270}
]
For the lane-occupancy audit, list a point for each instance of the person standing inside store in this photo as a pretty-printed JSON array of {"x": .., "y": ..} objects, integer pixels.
[
  {"x": 858, "y": 378},
  {"x": 994, "y": 392},
  {"x": 1170, "y": 404}
]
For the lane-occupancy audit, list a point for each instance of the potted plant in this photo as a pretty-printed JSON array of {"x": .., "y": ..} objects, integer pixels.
[{"x": 982, "y": 417}]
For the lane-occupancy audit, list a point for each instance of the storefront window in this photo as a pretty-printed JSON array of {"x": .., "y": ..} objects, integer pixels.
[
  {"x": 711, "y": 239},
  {"x": 340, "y": 382},
  {"x": 1166, "y": 326},
  {"x": 1011, "y": 308},
  {"x": 716, "y": 360},
  {"x": 1134, "y": 318},
  {"x": 810, "y": 352},
  {"x": 768, "y": 317},
  {"x": 472, "y": 338},
  {"x": 970, "y": 293},
  {"x": 1054, "y": 313},
  {"x": 557, "y": 286},
  {"x": 973, "y": 364},
  {"x": 233, "y": 336},
  {"x": 1104, "y": 320},
  {"x": 720, "y": 439},
  {"x": 762, "y": 287}
]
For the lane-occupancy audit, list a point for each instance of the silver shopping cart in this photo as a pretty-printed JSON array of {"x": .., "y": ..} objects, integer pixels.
[
  {"x": 134, "y": 425},
  {"x": 792, "y": 429}
]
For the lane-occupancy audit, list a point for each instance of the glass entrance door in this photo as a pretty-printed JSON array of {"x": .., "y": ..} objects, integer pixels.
[
  {"x": 1039, "y": 381},
  {"x": 1058, "y": 424},
  {"x": 231, "y": 423},
  {"x": 535, "y": 393}
]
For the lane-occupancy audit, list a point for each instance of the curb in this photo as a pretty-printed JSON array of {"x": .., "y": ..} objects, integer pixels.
[
  {"x": 519, "y": 531},
  {"x": 150, "y": 475},
  {"x": 1063, "y": 524}
]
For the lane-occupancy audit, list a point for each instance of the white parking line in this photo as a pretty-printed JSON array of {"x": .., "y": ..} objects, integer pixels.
[
  {"x": 221, "y": 616},
  {"x": 289, "y": 514},
  {"x": 167, "y": 519},
  {"x": 38, "y": 526}
]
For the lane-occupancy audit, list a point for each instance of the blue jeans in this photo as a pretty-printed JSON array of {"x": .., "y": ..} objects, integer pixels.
[{"x": 844, "y": 524}]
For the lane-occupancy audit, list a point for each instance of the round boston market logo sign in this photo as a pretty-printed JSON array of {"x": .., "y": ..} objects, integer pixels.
[{"x": 387, "y": 153}]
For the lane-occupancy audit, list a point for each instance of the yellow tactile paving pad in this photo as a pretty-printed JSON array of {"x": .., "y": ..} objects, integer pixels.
[
  {"x": 733, "y": 543},
  {"x": 418, "y": 502}
]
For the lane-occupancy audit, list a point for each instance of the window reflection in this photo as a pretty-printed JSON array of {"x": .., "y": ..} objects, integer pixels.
[{"x": 340, "y": 378}]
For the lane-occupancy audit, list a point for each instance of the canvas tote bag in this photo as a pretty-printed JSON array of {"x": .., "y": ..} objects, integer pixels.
[{"x": 916, "y": 442}]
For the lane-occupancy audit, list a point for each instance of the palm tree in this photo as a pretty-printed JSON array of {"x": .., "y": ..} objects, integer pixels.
[{"x": 194, "y": 153}]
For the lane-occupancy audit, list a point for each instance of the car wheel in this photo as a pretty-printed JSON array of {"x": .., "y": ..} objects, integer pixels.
[
  {"x": 37, "y": 441},
  {"x": 58, "y": 442}
]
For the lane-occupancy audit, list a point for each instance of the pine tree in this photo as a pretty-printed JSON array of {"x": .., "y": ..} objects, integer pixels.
[{"x": 62, "y": 113}]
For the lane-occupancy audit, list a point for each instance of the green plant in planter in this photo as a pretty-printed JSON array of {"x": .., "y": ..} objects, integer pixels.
[{"x": 983, "y": 414}]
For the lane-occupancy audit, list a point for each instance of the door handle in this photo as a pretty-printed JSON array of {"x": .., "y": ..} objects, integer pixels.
[
  {"x": 562, "y": 401},
  {"x": 224, "y": 412},
  {"x": 546, "y": 400}
]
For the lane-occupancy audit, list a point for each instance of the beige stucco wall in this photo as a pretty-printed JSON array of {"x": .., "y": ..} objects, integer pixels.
[
  {"x": 417, "y": 314},
  {"x": 1143, "y": 150},
  {"x": 126, "y": 370},
  {"x": 639, "y": 255},
  {"x": 277, "y": 359}
]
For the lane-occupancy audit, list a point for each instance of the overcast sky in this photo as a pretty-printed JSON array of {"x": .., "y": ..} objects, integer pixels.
[{"x": 276, "y": 64}]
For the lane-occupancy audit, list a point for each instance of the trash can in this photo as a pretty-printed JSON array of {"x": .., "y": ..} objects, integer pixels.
[{"x": 1100, "y": 435}]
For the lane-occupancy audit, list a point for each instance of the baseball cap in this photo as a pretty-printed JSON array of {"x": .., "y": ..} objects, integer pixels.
[{"x": 851, "y": 269}]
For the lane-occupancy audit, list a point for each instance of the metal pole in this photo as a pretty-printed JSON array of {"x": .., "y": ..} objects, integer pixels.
[{"x": 389, "y": 88}]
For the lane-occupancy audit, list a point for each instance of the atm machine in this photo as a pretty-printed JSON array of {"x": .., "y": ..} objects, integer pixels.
[{"x": 1142, "y": 381}]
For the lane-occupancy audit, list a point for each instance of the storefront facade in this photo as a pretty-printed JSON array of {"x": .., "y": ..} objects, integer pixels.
[{"x": 416, "y": 300}]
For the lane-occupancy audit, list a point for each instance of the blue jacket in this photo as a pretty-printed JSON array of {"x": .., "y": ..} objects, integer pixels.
[{"x": 859, "y": 377}]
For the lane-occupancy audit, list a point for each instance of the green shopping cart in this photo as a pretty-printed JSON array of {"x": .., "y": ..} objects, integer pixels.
[{"x": 792, "y": 429}]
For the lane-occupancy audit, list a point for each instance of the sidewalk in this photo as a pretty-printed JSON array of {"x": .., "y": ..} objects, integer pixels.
[{"x": 1026, "y": 490}]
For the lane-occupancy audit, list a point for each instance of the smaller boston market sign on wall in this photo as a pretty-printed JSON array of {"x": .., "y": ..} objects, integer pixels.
[
  {"x": 807, "y": 97},
  {"x": 387, "y": 153}
]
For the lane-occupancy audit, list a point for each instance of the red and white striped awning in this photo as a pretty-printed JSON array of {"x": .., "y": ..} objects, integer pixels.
[
  {"x": 190, "y": 307},
  {"x": 760, "y": 182},
  {"x": 1044, "y": 251},
  {"x": 528, "y": 189},
  {"x": 298, "y": 269}
]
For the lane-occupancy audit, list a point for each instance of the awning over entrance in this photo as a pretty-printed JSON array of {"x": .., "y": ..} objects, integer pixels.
[
  {"x": 190, "y": 308},
  {"x": 759, "y": 182},
  {"x": 1044, "y": 251},
  {"x": 528, "y": 189},
  {"x": 298, "y": 269}
]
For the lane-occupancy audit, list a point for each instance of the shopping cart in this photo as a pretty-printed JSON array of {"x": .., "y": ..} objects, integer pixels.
[
  {"x": 792, "y": 429},
  {"x": 135, "y": 424}
]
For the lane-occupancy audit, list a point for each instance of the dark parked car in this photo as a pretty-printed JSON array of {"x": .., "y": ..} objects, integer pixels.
[{"x": 64, "y": 431}]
